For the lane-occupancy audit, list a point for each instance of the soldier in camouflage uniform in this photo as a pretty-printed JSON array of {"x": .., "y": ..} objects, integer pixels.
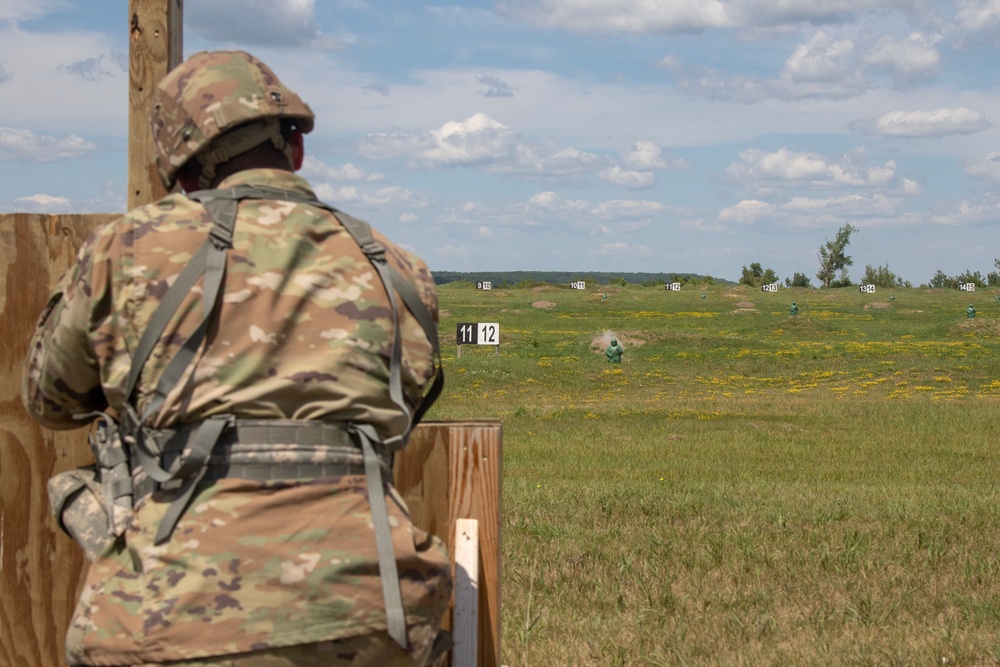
[{"x": 255, "y": 572}]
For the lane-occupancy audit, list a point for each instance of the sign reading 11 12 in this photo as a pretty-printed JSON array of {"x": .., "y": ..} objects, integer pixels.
[{"x": 478, "y": 333}]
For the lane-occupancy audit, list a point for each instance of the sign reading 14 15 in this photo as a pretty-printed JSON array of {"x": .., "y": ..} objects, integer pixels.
[{"x": 478, "y": 333}]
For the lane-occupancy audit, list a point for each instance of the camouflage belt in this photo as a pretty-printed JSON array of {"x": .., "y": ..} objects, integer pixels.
[
  {"x": 263, "y": 472},
  {"x": 263, "y": 450}
]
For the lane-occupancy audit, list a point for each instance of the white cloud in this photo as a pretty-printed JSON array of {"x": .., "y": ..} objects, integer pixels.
[
  {"x": 643, "y": 156},
  {"x": 26, "y": 146},
  {"x": 823, "y": 67},
  {"x": 105, "y": 65},
  {"x": 315, "y": 169},
  {"x": 936, "y": 123},
  {"x": 42, "y": 203},
  {"x": 628, "y": 179},
  {"x": 914, "y": 56},
  {"x": 978, "y": 15},
  {"x": 254, "y": 22},
  {"x": 745, "y": 212},
  {"x": 679, "y": 16},
  {"x": 612, "y": 16},
  {"x": 19, "y": 10},
  {"x": 494, "y": 87},
  {"x": 619, "y": 209},
  {"x": 756, "y": 166},
  {"x": 794, "y": 12},
  {"x": 985, "y": 168},
  {"x": 480, "y": 141}
]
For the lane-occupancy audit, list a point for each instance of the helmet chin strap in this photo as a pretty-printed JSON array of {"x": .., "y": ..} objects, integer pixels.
[{"x": 240, "y": 140}]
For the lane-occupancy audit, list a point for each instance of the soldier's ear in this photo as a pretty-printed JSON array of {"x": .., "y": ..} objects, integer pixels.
[{"x": 298, "y": 149}]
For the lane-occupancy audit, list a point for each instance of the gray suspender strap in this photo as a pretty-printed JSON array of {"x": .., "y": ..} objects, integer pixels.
[
  {"x": 210, "y": 261},
  {"x": 395, "y": 617}
]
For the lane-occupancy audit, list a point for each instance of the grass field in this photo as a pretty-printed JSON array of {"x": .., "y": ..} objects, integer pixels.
[{"x": 748, "y": 487}]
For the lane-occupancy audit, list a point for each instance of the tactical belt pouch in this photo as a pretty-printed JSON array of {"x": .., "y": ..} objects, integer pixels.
[{"x": 92, "y": 504}]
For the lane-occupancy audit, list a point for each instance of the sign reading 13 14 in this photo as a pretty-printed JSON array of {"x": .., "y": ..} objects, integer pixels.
[{"x": 478, "y": 333}]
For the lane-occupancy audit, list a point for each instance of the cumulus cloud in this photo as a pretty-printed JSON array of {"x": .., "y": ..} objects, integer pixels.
[
  {"x": 18, "y": 10},
  {"x": 756, "y": 166},
  {"x": 285, "y": 23},
  {"x": 936, "y": 123},
  {"x": 680, "y": 16},
  {"x": 745, "y": 212},
  {"x": 914, "y": 56},
  {"x": 823, "y": 67},
  {"x": 106, "y": 65},
  {"x": 495, "y": 87},
  {"x": 315, "y": 169},
  {"x": 26, "y": 146},
  {"x": 611, "y": 16},
  {"x": 480, "y": 141},
  {"x": 643, "y": 155},
  {"x": 978, "y": 16},
  {"x": 42, "y": 203},
  {"x": 627, "y": 178},
  {"x": 985, "y": 168},
  {"x": 5, "y": 75}
]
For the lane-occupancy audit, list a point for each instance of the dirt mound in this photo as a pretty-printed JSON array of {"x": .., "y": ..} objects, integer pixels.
[
  {"x": 625, "y": 339},
  {"x": 978, "y": 326},
  {"x": 543, "y": 304},
  {"x": 877, "y": 304}
]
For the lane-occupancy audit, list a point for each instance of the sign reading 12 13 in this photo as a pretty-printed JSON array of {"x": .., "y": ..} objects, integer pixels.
[{"x": 478, "y": 333}]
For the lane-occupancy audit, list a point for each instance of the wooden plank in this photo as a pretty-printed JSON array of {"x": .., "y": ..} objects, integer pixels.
[
  {"x": 155, "y": 47},
  {"x": 475, "y": 493},
  {"x": 466, "y": 619},
  {"x": 40, "y": 568}
]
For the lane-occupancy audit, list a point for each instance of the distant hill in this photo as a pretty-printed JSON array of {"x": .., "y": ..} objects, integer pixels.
[{"x": 501, "y": 279}]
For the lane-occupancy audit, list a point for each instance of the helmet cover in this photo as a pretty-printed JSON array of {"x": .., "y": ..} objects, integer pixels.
[{"x": 209, "y": 94}]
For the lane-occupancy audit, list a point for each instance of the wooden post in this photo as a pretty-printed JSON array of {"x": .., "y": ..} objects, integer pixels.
[
  {"x": 463, "y": 458},
  {"x": 155, "y": 47}
]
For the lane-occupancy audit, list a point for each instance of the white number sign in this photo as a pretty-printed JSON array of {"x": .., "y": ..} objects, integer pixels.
[
  {"x": 673, "y": 287},
  {"x": 770, "y": 287},
  {"x": 867, "y": 289},
  {"x": 967, "y": 287},
  {"x": 477, "y": 333},
  {"x": 484, "y": 285},
  {"x": 578, "y": 284}
]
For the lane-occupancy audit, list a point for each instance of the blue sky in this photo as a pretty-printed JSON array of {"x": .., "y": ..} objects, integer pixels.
[{"x": 583, "y": 135}]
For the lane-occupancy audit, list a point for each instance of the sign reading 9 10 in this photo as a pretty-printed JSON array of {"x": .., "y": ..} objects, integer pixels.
[{"x": 478, "y": 333}]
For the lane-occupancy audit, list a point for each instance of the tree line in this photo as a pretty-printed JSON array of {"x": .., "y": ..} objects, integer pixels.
[
  {"x": 508, "y": 279},
  {"x": 833, "y": 263},
  {"x": 833, "y": 272}
]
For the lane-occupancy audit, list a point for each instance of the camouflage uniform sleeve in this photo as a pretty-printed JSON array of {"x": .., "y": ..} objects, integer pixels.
[{"x": 62, "y": 375}]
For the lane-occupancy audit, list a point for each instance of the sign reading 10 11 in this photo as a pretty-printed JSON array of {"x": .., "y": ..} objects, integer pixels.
[{"x": 478, "y": 333}]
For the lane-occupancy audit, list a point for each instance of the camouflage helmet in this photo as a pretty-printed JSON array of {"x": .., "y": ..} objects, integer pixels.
[{"x": 216, "y": 93}]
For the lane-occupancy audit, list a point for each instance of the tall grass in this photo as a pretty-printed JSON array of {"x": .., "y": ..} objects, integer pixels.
[{"x": 748, "y": 488}]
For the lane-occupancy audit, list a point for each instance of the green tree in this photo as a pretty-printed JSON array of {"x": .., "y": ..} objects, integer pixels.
[
  {"x": 833, "y": 258},
  {"x": 971, "y": 277},
  {"x": 798, "y": 280},
  {"x": 756, "y": 276},
  {"x": 993, "y": 277},
  {"x": 881, "y": 277},
  {"x": 941, "y": 280}
]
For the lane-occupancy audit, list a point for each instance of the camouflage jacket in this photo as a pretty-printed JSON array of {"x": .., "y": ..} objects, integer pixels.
[{"x": 304, "y": 333}]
